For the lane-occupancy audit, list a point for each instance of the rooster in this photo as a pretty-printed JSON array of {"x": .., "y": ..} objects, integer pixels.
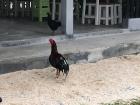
[
  {"x": 57, "y": 60},
  {"x": 53, "y": 24}
]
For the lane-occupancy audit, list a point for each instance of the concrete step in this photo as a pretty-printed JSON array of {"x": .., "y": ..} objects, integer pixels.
[
  {"x": 11, "y": 65},
  {"x": 81, "y": 50}
]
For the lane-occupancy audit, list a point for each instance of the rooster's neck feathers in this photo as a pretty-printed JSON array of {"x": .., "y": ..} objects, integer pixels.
[
  {"x": 54, "y": 49},
  {"x": 53, "y": 46}
]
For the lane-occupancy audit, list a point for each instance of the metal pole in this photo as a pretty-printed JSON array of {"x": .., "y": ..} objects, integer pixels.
[
  {"x": 83, "y": 11},
  {"x": 97, "y": 13},
  {"x": 53, "y": 10}
]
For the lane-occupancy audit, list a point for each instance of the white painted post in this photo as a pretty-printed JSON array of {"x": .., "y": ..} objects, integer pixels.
[
  {"x": 97, "y": 13},
  {"x": 107, "y": 15},
  {"x": 89, "y": 13},
  {"x": 100, "y": 8},
  {"x": 53, "y": 10},
  {"x": 67, "y": 16},
  {"x": 115, "y": 14},
  {"x": 112, "y": 15},
  {"x": 120, "y": 12},
  {"x": 83, "y": 11}
]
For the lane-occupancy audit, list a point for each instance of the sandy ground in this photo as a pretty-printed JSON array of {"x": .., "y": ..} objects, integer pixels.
[{"x": 87, "y": 84}]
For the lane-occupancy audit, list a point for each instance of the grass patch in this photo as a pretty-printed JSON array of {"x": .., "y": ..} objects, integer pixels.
[{"x": 121, "y": 102}]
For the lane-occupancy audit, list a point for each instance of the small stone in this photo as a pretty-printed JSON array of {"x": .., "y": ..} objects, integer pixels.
[
  {"x": 82, "y": 61},
  {"x": 60, "y": 103},
  {"x": 93, "y": 57}
]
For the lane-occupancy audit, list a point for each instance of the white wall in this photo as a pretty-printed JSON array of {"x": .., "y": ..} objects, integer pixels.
[{"x": 134, "y": 24}]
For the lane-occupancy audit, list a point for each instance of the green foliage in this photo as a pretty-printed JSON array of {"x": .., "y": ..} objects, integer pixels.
[{"x": 121, "y": 102}]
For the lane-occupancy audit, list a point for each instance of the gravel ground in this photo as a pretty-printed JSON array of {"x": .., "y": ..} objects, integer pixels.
[{"x": 87, "y": 84}]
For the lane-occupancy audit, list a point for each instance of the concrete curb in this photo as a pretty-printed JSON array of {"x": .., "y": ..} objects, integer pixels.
[{"x": 73, "y": 58}]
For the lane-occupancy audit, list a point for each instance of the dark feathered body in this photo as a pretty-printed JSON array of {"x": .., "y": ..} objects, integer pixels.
[
  {"x": 53, "y": 24},
  {"x": 57, "y": 60}
]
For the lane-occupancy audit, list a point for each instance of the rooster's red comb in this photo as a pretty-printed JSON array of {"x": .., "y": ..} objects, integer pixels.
[{"x": 52, "y": 41}]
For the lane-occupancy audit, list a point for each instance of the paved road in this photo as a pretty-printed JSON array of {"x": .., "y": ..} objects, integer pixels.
[{"x": 70, "y": 45}]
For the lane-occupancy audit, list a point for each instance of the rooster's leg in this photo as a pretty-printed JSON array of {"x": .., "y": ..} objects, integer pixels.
[
  {"x": 57, "y": 73},
  {"x": 66, "y": 75},
  {"x": 63, "y": 72}
]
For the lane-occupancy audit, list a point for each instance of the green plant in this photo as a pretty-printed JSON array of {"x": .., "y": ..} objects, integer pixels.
[{"x": 121, "y": 102}]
